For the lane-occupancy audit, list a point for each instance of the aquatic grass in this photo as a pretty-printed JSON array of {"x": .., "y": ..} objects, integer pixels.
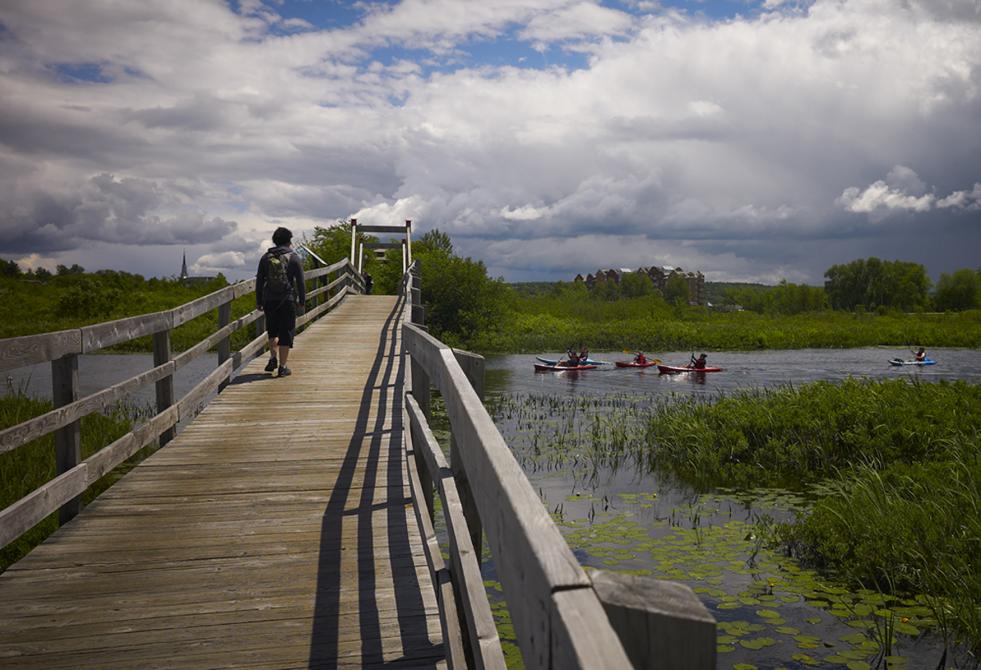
[
  {"x": 795, "y": 435},
  {"x": 904, "y": 529}
]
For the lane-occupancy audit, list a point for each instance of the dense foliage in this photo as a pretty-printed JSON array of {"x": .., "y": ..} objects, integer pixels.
[
  {"x": 74, "y": 298},
  {"x": 568, "y": 315},
  {"x": 960, "y": 290},
  {"x": 873, "y": 283},
  {"x": 784, "y": 298},
  {"x": 461, "y": 301}
]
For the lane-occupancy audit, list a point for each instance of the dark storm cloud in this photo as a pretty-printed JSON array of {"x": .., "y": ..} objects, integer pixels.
[{"x": 105, "y": 209}]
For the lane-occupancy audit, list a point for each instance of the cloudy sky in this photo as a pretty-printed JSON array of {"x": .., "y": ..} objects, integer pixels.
[{"x": 753, "y": 140}]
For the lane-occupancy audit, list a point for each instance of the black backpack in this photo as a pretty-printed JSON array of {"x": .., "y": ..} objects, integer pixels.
[{"x": 278, "y": 285}]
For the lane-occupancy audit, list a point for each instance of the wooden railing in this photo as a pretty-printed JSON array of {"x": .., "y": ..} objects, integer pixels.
[
  {"x": 74, "y": 476},
  {"x": 563, "y": 617}
]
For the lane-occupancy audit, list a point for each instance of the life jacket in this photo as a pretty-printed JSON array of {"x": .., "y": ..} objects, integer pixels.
[{"x": 278, "y": 287}]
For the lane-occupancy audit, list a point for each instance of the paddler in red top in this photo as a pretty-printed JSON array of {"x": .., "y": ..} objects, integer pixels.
[
  {"x": 640, "y": 358},
  {"x": 920, "y": 355}
]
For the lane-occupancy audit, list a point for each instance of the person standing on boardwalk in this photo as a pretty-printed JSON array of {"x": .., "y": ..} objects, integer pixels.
[{"x": 279, "y": 293}]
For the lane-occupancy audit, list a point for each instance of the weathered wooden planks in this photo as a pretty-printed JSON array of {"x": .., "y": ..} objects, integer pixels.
[{"x": 276, "y": 530}]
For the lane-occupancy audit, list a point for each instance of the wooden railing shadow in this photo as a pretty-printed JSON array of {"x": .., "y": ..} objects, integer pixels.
[
  {"x": 62, "y": 349},
  {"x": 374, "y": 446}
]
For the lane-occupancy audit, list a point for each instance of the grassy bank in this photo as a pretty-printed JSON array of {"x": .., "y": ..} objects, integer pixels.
[
  {"x": 898, "y": 473},
  {"x": 540, "y": 324},
  {"x": 72, "y": 301},
  {"x": 32, "y": 465}
]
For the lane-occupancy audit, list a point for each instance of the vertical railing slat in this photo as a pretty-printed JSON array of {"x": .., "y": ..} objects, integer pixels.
[
  {"x": 164, "y": 387},
  {"x": 225, "y": 346},
  {"x": 68, "y": 440}
]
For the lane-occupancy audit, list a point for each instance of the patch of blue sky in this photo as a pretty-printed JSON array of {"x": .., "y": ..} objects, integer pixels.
[
  {"x": 509, "y": 51},
  {"x": 504, "y": 51},
  {"x": 75, "y": 73},
  {"x": 321, "y": 14},
  {"x": 712, "y": 10}
]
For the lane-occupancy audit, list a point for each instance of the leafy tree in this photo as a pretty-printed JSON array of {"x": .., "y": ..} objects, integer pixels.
[
  {"x": 43, "y": 274},
  {"x": 636, "y": 285},
  {"x": 875, "y": 283},
  {"x": 334, "y": 243},
  {"x": 676, "y": 290},
  {"x": 958, "y": 291},
  {"x": 460, "y": 299},
  {"x": 75, "y": 269},
  {"x": 9, "y": 268},
  {"x": 605, "y": 289}
]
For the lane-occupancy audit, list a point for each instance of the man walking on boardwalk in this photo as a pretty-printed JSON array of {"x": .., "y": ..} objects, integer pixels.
[{"x": 279, "y": 291}]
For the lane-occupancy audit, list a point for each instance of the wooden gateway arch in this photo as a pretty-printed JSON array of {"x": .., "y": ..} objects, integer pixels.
[
  {"x": 405, "y": 244},
  {"x": 289, "y": 523}
]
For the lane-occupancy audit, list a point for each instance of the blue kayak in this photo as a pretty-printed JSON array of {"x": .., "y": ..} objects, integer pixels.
[
  {"x": 900, "y": 361},
  {"x": 589, "y": 361}
]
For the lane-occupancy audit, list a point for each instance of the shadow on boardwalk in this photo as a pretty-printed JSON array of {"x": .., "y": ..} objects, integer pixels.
[{"x": 383, "y": 390}]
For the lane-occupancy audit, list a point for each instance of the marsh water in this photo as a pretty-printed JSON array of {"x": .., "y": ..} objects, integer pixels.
[{"x": 616, "y": 515}]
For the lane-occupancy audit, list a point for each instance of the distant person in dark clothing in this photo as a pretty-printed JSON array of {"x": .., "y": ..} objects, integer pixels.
[
  {"x": 368, "y": 283},
  {"x": 280, "y": 292},
  {"x": 699, "y": 363}
]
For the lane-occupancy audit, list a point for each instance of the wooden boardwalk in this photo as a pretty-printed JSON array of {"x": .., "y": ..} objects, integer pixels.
[{"x": 275, "y": 531}]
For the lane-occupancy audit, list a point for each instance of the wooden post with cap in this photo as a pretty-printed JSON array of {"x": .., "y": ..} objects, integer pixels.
[{"x": 354, "y": 235}]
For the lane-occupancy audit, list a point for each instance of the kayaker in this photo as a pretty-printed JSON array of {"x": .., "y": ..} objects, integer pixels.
[
  {"x": 584, "y": 356},
  {"x": 699, "y": 363},
  {"x": 640, "y": 358},
  {"x": 920, "y": 355},
  {"x": 572, "y": 359}
]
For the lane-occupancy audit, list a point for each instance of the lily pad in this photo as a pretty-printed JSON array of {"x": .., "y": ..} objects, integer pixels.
[{"x": 758, "y": 642}]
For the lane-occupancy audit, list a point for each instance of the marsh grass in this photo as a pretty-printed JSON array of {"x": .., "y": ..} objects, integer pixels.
[
  {"x": 550, "y": 323},
  {"x": 904, "y": 529},
  {"x": 27, "y": 468},
  {"x": 888, "y": 472}
]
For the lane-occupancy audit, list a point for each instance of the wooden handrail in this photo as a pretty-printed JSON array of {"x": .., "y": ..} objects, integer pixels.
[
  {"x": 563, "y": 618},
  {"x": 558, "y": 619},
  {"x": 74, "y": 478}
]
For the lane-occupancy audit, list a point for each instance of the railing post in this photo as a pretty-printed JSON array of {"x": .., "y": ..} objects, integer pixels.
[
  {"x": 354, "y": 236},
  {"x": 473, "y": 368},
  {"x": 165, "y": 387},
  {"x": 420, "y": 390},
  {"x": 68, "y": 440},
  {"x": 225, "y": 346},
  {"x": 415, "y": 293},
  {"x": 660, "y": 624}
]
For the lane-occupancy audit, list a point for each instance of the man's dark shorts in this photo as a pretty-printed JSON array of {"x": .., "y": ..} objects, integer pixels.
[{"x": 281, "y": 321}]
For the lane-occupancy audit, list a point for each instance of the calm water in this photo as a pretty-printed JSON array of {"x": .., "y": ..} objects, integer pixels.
[
  {"x": 771, "y": 613},
  {"x": 760, "y": 369},
  {"x": 100, "y": 371}
]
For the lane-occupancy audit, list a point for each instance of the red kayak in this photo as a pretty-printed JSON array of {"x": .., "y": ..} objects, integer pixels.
[
  {"x": 539, "y": 367},
  {"x": 673, "y": 370},
  {"x": 632, "y": 364}
]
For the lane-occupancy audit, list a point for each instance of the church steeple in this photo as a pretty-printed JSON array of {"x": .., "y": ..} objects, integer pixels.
[{"x": 184, "y": 267}]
